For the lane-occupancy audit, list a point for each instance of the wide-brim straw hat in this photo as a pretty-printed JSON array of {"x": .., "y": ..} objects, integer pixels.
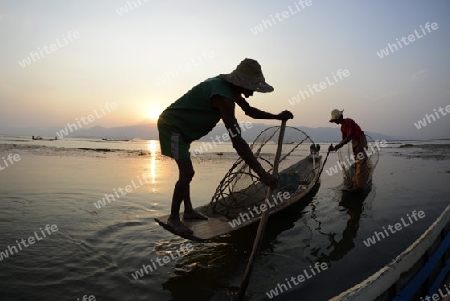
[
  {"x": 248, "y": 74},
  {"x": 336, "y": 114}
]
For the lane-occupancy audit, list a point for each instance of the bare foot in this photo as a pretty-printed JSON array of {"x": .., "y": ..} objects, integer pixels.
[
  {"x": 194, "y": 215},
  {"x": 179, "y": 227}
]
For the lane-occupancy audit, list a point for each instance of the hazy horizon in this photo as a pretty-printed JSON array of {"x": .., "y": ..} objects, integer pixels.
[
  {"x": 150, "y": 130},
  {"x": 123, "y": 62}
]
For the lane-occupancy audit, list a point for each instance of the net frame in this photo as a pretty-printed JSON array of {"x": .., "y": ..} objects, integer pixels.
[
  {"x": 229, "y": 198},
  {"x": 348, "y": 172}
]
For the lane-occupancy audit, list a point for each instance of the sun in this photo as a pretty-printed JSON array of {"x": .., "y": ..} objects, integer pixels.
[{"x": 153, "y": 113}]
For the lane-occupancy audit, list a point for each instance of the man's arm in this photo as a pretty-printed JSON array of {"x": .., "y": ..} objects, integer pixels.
[
  {"x": 344, "y": 141},
  {"x": 226, "y": 108},
  {"x": 258, "y": 114}
]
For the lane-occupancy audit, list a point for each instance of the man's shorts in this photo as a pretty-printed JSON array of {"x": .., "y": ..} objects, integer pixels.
[{"x": 172, "y": 143}]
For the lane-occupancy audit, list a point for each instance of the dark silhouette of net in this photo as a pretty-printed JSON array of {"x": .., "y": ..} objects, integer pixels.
[
  {"x": 241, "y": 187},
  {"x": 346, "y": 160}
]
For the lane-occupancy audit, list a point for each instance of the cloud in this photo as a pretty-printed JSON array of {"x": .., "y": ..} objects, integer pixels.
[{"x": 420, "y": 75}]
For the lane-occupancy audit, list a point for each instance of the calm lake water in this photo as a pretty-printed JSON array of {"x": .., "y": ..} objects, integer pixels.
[{"x": 96, "y": 251}]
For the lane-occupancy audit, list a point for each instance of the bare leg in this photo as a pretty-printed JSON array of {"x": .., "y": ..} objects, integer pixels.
[
  {"x": 189, "y": 212},
  {"x": 361, "y": 174},
  {"x": 187, "y": 200},
  {"x": 187, "y": 172},
  {"x": 181, "y": 191}
]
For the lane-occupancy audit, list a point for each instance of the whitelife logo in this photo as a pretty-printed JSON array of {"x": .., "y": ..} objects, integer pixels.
[
  {"x": 87, "y": 298},
  {"x": 12, "y": 158},
  {"x": 313, "y": 271},
  {"x": 46, "y": 50},
  {"x": 11, "y": 250},
  {"x": 123, "y": 192},
  {"x": 391, "y": 48},
  {"x": 206, "y": 146},
  {"x": 243, "y": 217},
  {"x": 146, "y": 269},
  {"x": 131, "y": 5},
  {"x": 183, "y": 68},
  {"x": 86, "y": 120},
  {"x": 348, "y": 162},
  {"x": 266, "y": 24},
  {"x": 341, "y": 74},
  {"x": 430, "y": 118},
  {"x": 378, "y": 236}
]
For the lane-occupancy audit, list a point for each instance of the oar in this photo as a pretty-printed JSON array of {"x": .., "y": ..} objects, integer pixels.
[{"x": 263, "y": 221}]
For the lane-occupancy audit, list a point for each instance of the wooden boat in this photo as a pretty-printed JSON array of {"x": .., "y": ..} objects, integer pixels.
[
  {"x": 110, "y": 139},
  {"x": 240, "y": 199},
  {"x": 418, "y": 273},
  {"x": 224, "y": 217},
  {"x": 43, "y": 139}
]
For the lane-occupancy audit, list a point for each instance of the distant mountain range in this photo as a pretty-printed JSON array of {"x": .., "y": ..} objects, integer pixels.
[{"x": 150, "y": 132}]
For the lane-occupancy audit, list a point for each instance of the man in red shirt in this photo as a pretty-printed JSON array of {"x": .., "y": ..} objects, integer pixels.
[{"x": 351, "y": 131}]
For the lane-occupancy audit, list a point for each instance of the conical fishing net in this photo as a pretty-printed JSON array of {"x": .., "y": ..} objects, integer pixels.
[
  {"x": 241, "y": 187},
  {"x": 347, "y": 160}
]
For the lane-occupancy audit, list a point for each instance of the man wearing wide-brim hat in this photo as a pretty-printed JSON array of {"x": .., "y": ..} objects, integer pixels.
[
  {"x": 196, "y": 113},
  {"x": 351, "y": 131}
]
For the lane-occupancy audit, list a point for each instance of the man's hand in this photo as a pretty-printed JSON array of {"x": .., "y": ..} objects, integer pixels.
[
  {"x": 269, "y": 180},
  {"x": 285, "y": 115},
  {"x": 335, "y": 148},
  {"x": 331, "y": 148}
]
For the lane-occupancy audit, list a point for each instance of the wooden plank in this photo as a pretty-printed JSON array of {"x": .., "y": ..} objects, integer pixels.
[
  {"x": 203, "y": 229},
  {"x": 217, "y": 226}
]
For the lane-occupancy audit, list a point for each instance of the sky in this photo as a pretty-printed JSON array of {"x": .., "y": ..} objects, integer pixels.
[{"x": 123, "y": 62}]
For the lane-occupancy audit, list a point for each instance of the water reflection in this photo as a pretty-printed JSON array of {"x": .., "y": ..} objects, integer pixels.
[
  {"x": 152, "y": 147},
  {"x": 205, "y": 272},
  {"x": 218, "y": 261},
  {"x": 354, "y": 205}
]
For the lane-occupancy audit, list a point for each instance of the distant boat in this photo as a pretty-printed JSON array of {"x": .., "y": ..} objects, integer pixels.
[
  {"x": 43, "y": 139},
  {"x": 108, "y": 139}
]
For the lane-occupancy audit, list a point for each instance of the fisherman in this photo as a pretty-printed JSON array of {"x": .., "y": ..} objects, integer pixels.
[
  {"x": 351, "y": 131},
  {"x": 196, "y": 113}
]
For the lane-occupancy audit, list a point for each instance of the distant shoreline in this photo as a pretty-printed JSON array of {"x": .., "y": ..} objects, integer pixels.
[{"x": 140, "y": 148}]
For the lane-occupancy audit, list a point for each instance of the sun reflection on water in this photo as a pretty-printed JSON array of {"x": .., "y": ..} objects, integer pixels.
[{"x": 152, "y": 148}]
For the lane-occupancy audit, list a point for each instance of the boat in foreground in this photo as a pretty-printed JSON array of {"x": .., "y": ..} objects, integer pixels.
[{"x": 418, "y": 273}]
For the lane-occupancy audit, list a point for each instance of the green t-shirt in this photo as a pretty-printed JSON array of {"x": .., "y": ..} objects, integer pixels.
[{"x": 192, "y": 114}]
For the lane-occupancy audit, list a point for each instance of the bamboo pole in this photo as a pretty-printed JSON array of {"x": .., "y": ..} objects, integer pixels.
[{"x": 263, "y": 221}]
